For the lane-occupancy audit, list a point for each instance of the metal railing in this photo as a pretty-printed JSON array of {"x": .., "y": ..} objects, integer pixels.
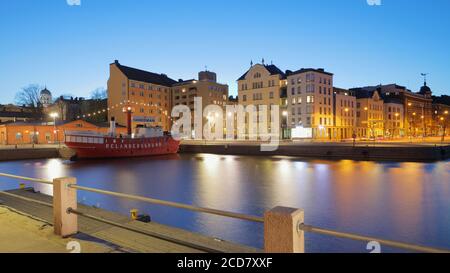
[
  {"x": 38, "y": 180},
  {"x": 172, "y": 204},
  {"x": 302, "y": 226}
]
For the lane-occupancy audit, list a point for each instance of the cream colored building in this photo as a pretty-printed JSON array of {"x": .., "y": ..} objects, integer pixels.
[
  {"x": 310, "y": 103},
  {"x": 147, "y": 93},
  {"x": 344, "y": 112},
  {"x": 263, "y": 85},
  {"x": 206, "y": 87},
  {"x": 369, "y": 113}
]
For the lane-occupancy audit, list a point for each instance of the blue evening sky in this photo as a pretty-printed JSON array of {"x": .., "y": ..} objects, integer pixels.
[{"x": 68, "y": 48}]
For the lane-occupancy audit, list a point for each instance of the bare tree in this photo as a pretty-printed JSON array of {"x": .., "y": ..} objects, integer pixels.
[
  {"x": 99, "y": 94},
  {"x": 29, "y": 96}
]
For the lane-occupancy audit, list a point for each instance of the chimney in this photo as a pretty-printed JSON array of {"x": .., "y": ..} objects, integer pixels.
[{"x": 116, "y": 62}]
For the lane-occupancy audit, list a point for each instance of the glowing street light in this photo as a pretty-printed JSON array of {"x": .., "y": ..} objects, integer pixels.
[{"x": 54, "y": 115}]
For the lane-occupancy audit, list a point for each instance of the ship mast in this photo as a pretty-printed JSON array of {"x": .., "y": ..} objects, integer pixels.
[{"x": 128, "y": 110}]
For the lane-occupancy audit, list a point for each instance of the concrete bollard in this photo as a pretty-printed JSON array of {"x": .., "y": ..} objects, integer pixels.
[
  {"x": 64, "y": 223},
  {"x": 281, "y": 231}
]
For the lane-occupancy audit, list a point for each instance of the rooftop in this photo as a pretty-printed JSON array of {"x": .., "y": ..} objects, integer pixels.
[
  {"x": 271, "y": 68},
  {"x": 145, "y": 76},
  {"x": 305, "y": 70}
]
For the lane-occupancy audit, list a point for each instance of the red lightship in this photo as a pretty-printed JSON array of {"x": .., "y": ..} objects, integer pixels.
[{"x": 146, "y": 141}]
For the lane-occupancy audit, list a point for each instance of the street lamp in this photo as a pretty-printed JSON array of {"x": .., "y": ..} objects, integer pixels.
[
  {"x": 54, "y": 115},
  {"x": 284, "y": 125}
]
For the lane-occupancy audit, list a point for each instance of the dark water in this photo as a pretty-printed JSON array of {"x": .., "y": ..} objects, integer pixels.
[{"x": 401, "y": 201}]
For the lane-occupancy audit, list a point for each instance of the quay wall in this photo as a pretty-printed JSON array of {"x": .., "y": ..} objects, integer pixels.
[
  {"x": 322, "y": 151},
  {"x": 393, "y": 153},
  {"x": 28, "y": 153}
]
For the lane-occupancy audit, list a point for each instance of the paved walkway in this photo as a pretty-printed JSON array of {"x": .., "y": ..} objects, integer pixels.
[
  {"x": 21, "y": 233},
  {"x": 124, "y": 236}
]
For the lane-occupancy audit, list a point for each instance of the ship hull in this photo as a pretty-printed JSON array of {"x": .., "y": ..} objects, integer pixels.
[{"x": 108, "y": 147}]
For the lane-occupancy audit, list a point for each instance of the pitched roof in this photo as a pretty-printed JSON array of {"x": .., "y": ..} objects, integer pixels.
[
  {"x": 145, "y": 76},
  {"x": 273, "y": 70},
  {"x": 304, "y": 70},
  {"x": 363, "y": 92},
  {"x": 340, "y": 90}
]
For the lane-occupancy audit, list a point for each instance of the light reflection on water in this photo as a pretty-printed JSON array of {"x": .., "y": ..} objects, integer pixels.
[{"x": 402, "y": 201}]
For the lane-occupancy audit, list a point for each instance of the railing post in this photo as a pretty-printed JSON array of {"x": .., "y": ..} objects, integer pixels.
[
  {"x": 64, "y": 197},
  {"x": 281, "y": 231}
]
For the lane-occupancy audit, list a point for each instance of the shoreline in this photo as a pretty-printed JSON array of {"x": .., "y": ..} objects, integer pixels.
[{"x": 402, "y": 152}]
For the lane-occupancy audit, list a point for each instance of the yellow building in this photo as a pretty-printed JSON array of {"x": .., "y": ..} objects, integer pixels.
[
  {"x": 310, "y": 103},
  {"x": 344, "y": 112},
  {"x": 394, "y": 116},
  {"x": 147, "y": 93},
  {"x": 369, "y": 113},
  {"x": 263, "y": 85}
]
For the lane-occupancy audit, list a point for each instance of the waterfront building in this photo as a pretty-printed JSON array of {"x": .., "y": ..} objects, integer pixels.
[
  {"x": 147, "y": 93},
  {"x": 369, "y": 113},
  {"x": 394, "y": 116},
  {"x": 344, "y": 114},
  {"x": 418, "y": 109},
  {"x": 441, "y": 115},
  {"x": 206, "y": 87},
  {"x": 264, "y": 85},
  {"x": 310, "y": 103},
  {"x": 39, "y": 132}
]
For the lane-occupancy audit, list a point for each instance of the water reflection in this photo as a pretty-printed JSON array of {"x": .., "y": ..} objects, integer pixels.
[{"x": 403, "y": 201}]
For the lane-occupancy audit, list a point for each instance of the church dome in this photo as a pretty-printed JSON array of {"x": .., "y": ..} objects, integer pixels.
[
  {"x": 425, "y": 89},
  {"x": 46, "y": 92}
]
